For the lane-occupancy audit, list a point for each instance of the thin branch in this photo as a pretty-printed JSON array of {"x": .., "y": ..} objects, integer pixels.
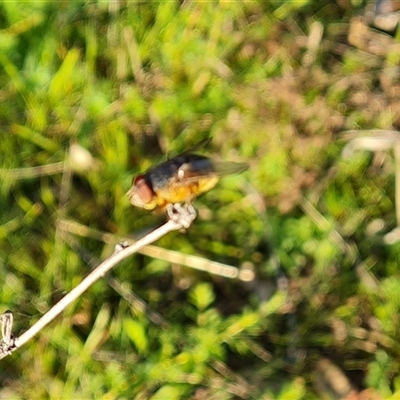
[
  {"x": 135, "y": 301},
  {"x": 195, "y": 262},
  {"x": 33, "y": 172},
  {"x": 397, "y": 180},
  {"x": 99, "y": 272},
  {"x": 379, "y": 140},
  {"x": 325, "y": 225},
  {"x": 7, "y": 340}
]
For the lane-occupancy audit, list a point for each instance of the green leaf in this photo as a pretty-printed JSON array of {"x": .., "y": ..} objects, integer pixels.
[
  {"x": 168, "y": 392},
  {"x": 137, "y": 334},
  {"x": 202, "y": 295}
]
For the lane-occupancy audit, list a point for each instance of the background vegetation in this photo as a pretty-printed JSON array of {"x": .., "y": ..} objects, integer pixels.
[{"x": 273, "y": 83}]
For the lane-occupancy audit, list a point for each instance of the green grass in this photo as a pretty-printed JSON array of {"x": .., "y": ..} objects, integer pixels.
[{"x": 131, "y": 82}]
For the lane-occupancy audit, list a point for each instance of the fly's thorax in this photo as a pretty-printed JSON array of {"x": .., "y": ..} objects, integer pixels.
[{"x": 179, "y": 168}]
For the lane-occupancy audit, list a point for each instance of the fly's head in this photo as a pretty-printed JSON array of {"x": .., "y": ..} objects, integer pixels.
[{"x": 141, "y": 193}]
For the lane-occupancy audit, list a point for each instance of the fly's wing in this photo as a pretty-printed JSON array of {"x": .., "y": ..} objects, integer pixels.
[
  {"x": 203, "y": 168},
  {"x": 203, "y": 173},
  {"x": 223, "y": 168},
  {"x": 192, "y": 149},
  {"x": 198, "y": 146},
  {"x": 193, "y": 169}
]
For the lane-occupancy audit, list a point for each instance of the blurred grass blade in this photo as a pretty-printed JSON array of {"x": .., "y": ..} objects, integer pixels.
[{"x": 34, "y": 137}]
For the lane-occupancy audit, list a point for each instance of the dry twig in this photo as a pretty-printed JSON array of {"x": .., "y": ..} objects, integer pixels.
[
  {"x": 175, "y": 257},
  {"x": 8, "y": 344}
]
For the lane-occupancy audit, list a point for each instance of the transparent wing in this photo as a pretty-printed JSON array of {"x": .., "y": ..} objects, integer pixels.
[
  {"x": 192, "y": 149},
  {"x": 187, "y": 175},
  {"x": 198, "y": 146},
  {"x": 223, "y": 168}
]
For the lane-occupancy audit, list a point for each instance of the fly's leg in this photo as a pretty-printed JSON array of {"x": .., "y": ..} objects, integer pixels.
[{"x": 182, "y": 214}]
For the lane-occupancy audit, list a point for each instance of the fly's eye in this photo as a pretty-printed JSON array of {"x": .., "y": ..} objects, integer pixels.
[
  {"x": 142, "y": 189},
  {"x": 137, "y": 179}
]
